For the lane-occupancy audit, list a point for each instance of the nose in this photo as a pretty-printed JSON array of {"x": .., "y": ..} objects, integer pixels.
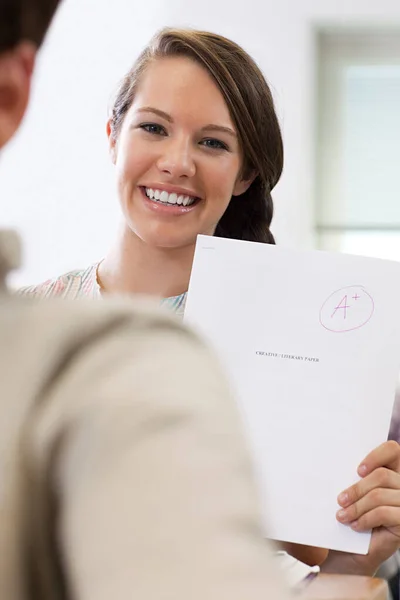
[{"x": 177, "y": 159}]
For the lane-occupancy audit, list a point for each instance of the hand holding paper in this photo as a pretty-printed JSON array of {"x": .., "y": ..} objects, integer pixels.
[{"x": 373, "y": 503}]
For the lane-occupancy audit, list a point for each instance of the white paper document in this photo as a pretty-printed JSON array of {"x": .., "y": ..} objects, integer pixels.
[{"x": 311, "y": 341}]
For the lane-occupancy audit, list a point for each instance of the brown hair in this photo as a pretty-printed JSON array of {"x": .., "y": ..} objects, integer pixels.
[
  {"x": 24, "y": 20},
  {"x": 249, "y": 99}
]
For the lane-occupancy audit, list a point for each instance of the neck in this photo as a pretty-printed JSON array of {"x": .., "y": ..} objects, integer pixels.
[{"x": 134, "y": 267}]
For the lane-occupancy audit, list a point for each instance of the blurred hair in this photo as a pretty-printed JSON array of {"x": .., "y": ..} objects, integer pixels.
[{"x": 25, "y": 20}]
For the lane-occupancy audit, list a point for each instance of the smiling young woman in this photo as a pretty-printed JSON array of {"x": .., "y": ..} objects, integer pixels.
[{"x": 197, "y": 148}]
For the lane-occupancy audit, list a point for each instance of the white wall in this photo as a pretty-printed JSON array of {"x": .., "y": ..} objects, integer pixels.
[{"x": 56, "y": 182}]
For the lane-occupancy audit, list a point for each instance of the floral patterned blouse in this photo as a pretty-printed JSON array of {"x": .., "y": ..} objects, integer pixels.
[{"x": 84, "y": 283}]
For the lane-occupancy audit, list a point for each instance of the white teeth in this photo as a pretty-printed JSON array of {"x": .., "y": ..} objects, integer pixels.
[{"x": 166, "y": 198}]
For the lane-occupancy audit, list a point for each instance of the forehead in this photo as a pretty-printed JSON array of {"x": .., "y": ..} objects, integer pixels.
[{"x": 182, "y": 88}]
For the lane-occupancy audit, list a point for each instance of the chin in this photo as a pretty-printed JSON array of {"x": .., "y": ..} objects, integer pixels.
[
  {"x": 168, "y": 241},
  {"x": 174, "y": 244}
]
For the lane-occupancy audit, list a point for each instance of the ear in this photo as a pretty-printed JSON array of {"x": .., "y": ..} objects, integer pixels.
[
  {"x": 112, "y": 142},
  {"x": 16, "y": 68},
  {"x": 242, "y": 185}
]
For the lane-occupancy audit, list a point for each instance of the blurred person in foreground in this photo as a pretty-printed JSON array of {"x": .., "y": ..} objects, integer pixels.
[{"x": 123, "y": 469}]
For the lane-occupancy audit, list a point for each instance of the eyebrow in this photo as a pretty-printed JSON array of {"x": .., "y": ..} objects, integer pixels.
[
  {"x": 219, "y": 128},
  {"x": 167, "y": 117},
  {"x": 156, "y": 111}
]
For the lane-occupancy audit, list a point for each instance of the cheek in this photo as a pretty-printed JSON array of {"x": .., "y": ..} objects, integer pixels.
[
  {"x": 133, "y": 161},
  {"x": 222, "y": 179}
]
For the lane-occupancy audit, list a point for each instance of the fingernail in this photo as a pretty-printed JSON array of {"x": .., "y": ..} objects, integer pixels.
[
  {"x": 354, "y": 525},
  {"x": 362, "y": 470},
  {"x": 342, "y": 515},
  {"x": 343, "y": 498}
]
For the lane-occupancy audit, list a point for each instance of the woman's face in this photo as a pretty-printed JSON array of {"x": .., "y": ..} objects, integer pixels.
[{"x": 177, "y": 156}]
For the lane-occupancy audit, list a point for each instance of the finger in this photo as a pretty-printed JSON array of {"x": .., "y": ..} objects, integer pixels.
[
  {"x": 379, "y": 478},
  {"x": 378, "y": 497},
  {"x": 385, "y": 455},
  {"x": 383, "y": 516}
]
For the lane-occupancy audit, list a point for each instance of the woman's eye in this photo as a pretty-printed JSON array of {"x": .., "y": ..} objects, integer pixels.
[
  {"x": 153, "y": 128},
  {"x": 214, "y": 144}
]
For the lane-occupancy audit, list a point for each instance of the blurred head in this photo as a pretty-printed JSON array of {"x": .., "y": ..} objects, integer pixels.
[
  {"x": 23, "y": 25},
  {"x": 196, "y": 142}
]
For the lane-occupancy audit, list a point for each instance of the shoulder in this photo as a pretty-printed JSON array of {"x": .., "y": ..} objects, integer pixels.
[
  {"x": 99, "y": 336},
  {"x": 116, "y": 348},
  {"x": 74, "y": 284},
  {"x": 142, "y": 400}
]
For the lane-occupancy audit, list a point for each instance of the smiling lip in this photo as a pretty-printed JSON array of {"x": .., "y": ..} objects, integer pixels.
[
  {"x": 164, "y": 209},
  {"x": 171, "y": 189}
]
